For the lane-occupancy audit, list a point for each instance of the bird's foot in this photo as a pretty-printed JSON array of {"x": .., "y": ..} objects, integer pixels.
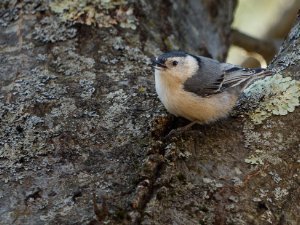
[{"x": 181, "y": 129}]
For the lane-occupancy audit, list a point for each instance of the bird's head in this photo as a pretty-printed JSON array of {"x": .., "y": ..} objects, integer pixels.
[{"x": 176, "y": 64}]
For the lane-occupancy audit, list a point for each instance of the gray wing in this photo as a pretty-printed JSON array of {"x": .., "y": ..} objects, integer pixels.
[{"x": 214, "y": 77}]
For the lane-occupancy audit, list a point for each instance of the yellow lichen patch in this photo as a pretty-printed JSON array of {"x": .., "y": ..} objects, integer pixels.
[
  {"x": 102, "y": 13},
  {"x": 254, "y": 160},
  {"x": 278, "y": 95}
]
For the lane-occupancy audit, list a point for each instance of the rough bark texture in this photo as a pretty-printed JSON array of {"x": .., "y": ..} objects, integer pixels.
[{"x": 81, "y": 130}]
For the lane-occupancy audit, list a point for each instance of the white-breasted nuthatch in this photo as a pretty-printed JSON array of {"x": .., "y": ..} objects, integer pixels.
[{"x": 200, "y": 89}]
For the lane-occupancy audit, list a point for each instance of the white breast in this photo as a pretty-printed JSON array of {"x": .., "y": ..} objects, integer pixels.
[
  {"x": 160, "y": 90},
  {"x": 163, "y": 90}
]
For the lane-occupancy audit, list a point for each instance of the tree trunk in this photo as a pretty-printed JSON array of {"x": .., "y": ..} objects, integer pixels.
[{"x": 82, "y": 133}]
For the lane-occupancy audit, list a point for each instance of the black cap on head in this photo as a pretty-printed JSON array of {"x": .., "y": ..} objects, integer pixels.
[
  {"x": 160, "y": 60},
  {"x": 171, "y": 54}
]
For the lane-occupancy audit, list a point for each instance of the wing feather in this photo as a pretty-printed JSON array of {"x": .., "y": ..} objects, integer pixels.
[{"x": 214, "y": 77}]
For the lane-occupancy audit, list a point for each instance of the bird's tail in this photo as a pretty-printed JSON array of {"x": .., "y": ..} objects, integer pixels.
[
  {"x": 261, "y": 73},
  {"x": 256, "y": 74},
  {"x": 242, "y": 77}
]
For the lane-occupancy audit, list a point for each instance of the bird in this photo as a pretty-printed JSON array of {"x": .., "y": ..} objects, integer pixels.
[{"x": 200, "y": 89}]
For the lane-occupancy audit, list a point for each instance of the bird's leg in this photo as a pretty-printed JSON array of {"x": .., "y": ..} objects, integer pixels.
[{"x": 182, "y": 129}]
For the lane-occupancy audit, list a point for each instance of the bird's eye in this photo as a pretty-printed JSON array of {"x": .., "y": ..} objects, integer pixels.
[{"x": 175, "y": 63}]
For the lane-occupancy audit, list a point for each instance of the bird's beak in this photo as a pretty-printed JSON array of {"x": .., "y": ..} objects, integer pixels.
[{"x": 156, "y": 63}]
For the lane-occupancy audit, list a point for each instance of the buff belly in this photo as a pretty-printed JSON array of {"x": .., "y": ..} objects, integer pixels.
[{"x": 191, "y": 106}]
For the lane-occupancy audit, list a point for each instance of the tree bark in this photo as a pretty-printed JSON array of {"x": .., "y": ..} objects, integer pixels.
[{"x": 82, "y": 133}]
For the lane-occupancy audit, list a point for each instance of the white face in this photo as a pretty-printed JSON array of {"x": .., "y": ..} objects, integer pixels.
[{"x": 179, "y": 68}]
